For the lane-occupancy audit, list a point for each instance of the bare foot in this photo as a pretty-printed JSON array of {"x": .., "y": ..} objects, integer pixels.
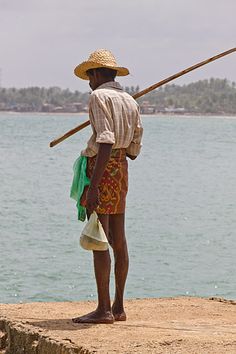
[
  {"x": 95, "y": 317},
  {"x": 120, "y": 316},
  {"x": 118, "y": 313}
]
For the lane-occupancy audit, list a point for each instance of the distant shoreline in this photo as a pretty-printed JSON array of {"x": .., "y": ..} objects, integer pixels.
[{"x": 167, "y": 115}]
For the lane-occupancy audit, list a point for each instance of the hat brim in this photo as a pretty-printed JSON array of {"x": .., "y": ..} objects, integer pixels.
[{"x": 81, "y": 69}]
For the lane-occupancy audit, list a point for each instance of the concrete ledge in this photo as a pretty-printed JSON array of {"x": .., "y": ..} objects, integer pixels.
[
  {"x": 182, "y": 325},
  {"x": 19, "y": 338}
]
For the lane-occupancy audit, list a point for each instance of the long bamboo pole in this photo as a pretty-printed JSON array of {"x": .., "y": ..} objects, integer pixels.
[{"x": 144, "y": 92}]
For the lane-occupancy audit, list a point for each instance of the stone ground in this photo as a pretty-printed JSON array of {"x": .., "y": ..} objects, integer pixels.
[{"x": 184, "y": 325}]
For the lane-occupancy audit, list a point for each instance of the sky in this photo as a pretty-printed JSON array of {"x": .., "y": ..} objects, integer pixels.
[{"x": 41, "y": 41}]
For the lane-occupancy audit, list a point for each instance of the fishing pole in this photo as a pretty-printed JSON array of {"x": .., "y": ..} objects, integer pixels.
[{"x": 147, "y": 90}]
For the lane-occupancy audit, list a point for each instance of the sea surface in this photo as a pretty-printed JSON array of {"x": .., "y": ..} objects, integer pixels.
[{"x": 180, "y": 220}]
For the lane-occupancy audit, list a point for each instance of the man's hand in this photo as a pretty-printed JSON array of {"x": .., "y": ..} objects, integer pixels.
[
  {"x": 131, "y": 156},
  {"x": 92, "y": 199}
]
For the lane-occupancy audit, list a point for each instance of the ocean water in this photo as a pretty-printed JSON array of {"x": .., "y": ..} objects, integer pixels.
[{"x": 180, "y": 220}]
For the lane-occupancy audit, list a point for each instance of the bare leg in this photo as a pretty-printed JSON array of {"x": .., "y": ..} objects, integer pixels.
[
  {"x": 119, "y": 245},
  {"x": 102, "y": 268}
]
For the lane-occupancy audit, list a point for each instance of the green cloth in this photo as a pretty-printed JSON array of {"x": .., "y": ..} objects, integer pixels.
[{"x": 80, "y": 181}]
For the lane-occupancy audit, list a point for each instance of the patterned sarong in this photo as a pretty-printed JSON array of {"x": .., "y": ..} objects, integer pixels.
[{"x": 114, "y": 183}]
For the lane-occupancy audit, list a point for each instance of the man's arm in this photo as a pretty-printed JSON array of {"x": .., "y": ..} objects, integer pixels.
[
  {"x": 103, "y": 156},
  {"x": 133, "y": 149}
]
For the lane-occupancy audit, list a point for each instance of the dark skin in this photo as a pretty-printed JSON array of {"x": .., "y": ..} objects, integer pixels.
[{"x": 114, "y": 227}]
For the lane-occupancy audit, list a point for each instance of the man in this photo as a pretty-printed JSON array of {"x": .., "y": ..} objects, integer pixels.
[{"x": 117, "y": 133}]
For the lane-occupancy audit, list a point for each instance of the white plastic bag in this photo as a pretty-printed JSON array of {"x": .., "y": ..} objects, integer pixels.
[{"x": 93, "y": 236}]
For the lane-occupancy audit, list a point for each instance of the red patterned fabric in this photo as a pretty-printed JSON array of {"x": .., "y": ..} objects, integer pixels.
[{"x": 114, "y": 184}]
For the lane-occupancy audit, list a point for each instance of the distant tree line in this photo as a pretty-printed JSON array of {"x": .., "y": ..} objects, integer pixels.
[
  {"x": 213, "y": 96},
  {"x": 35, "y": 98}
]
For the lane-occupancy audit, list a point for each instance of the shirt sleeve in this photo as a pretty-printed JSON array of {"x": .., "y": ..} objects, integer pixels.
[
  {"x": 136, "y": 143},
  {"x": 102, "y": 121}
]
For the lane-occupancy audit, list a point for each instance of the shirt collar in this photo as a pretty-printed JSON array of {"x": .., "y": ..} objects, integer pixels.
[{"x": 110, "y": 84}]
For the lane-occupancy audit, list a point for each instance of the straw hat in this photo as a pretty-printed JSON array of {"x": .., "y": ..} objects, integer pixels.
[{"x": 101, "y": 58}]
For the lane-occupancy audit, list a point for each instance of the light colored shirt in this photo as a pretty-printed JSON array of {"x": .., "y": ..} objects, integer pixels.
[{"x": 114, "y": 117}]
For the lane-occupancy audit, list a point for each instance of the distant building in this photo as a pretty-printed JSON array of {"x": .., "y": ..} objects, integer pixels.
[
  {"x": 47, "y": 107},
  {"x": 175, "y": 110},
  {"x": 3, "y": 106},
  {"x": 67, "y": 108},
  {"x": 147, "y": 108}
]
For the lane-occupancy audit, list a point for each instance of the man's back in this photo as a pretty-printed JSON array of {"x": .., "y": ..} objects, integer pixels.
[{"x": 114, "y": 117}]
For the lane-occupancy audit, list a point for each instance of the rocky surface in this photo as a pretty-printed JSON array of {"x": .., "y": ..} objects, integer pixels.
[{"x": 182, "y": 325}]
